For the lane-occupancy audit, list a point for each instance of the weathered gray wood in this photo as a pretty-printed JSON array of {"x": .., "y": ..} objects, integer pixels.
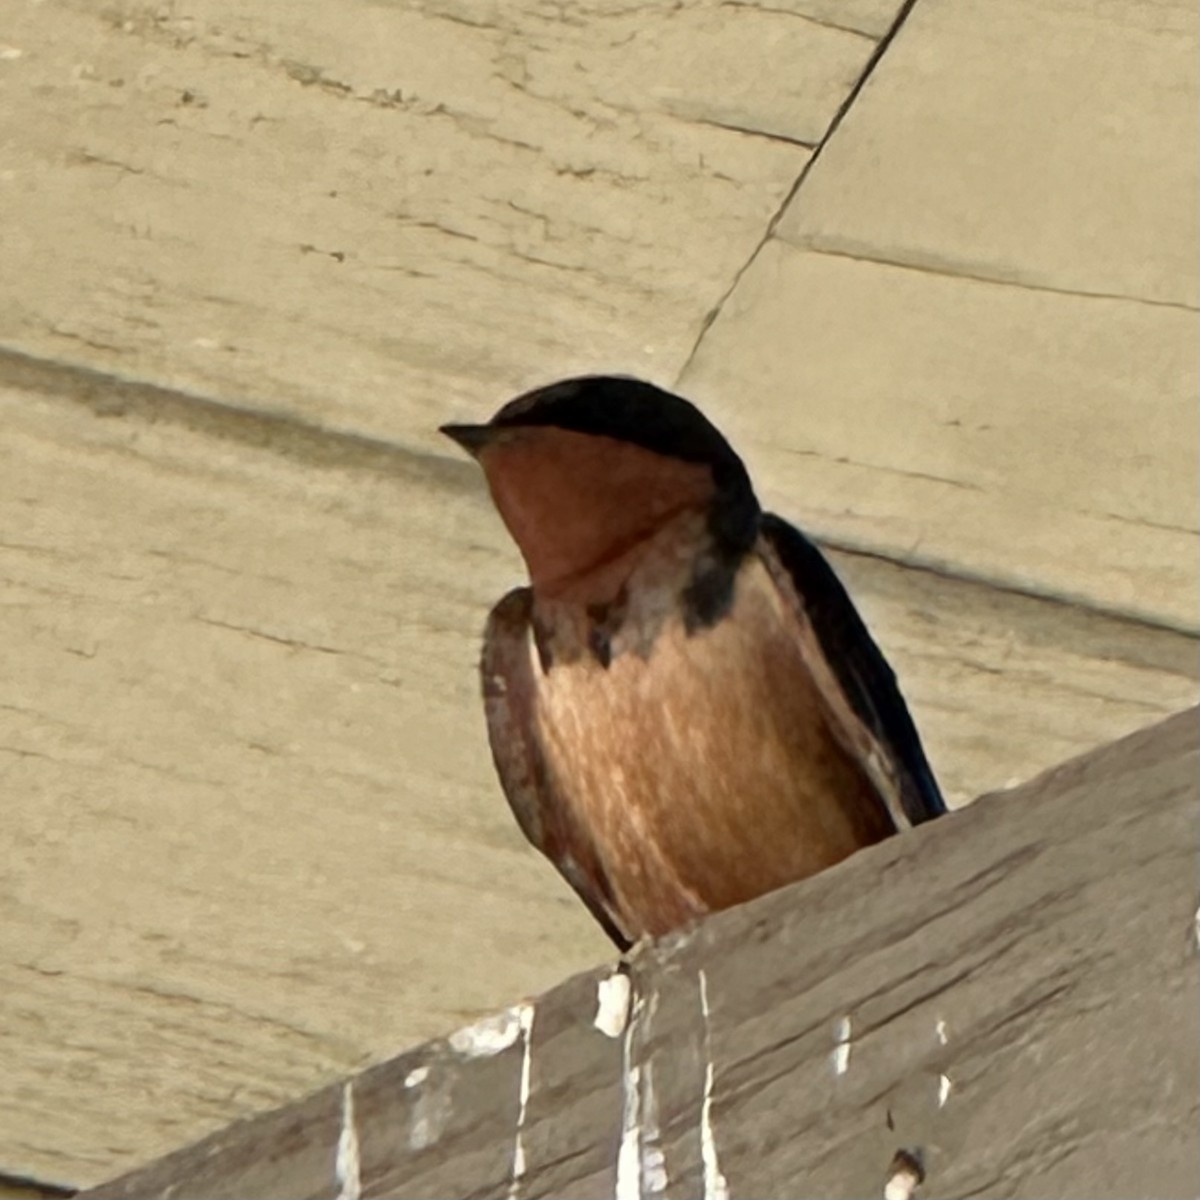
[{"x": 1018, "y": 984}]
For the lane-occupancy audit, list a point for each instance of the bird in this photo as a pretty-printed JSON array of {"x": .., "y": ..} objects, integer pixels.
[{"x": 684, "y": 708}]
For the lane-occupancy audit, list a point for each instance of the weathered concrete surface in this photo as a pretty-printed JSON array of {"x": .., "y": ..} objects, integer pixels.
[
  {"x": 1042, "y": 441},
  {"x": 973, "y": 333},
  {"x": 1010, "y": 993},
  {"x": 250, "y": 812},
  {"x": 1035, "y": 144},
  {"x": 251, "y": 837},
  {"x": 362, "y": 213},
  {"x": 359, "y": 215}
]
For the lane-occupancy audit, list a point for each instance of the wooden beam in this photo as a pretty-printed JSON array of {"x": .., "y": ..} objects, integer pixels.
[{"x": 1007, "y": 997}]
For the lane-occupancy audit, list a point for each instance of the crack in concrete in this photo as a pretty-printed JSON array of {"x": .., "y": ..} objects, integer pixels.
[
  {"x": 250, "y": 631},
  {"x": 886, "y": 468},
  {"x": 1146, "y": 522},
  {"x": 807, "y": 18},
  {"x": 713, "y": 123},
  {"x": 332, "y": 1046}
]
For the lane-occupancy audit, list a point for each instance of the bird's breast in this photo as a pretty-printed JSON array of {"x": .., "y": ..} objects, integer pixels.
[{"x": 704, "y": 768}]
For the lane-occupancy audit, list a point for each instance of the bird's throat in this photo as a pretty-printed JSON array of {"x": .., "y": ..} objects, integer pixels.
[
  {"x": 619, "y": 605},
  {"x": 582, "y": 508}
]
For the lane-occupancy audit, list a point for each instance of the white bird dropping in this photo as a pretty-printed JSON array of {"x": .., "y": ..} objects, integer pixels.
[{"x": 612, "y": 1004}]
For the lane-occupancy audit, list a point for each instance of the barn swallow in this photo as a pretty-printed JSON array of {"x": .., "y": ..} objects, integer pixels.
[{"x": 684, "y": 707}]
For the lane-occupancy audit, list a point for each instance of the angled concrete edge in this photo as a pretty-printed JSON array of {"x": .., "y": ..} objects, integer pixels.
[{"x": 1005, "y": 1001}]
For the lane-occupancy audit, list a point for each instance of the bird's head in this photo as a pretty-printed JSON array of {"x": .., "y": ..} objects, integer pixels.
[{"x": 583, "y": 470}]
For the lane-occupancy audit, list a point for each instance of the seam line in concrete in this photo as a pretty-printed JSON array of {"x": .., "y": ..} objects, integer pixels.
[
  {"x": 873, "y": 61},
  {"x": 964, "y": 574},
  {"x": 297, "y": 440},
  {"x": 280, "y": 433},
  {"x": 952, "y": 272}
]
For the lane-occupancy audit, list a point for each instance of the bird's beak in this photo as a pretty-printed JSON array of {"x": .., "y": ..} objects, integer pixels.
[{"x": 472, "y": 438}]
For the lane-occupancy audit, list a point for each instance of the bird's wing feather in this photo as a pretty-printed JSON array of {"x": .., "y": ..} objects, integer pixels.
[
  {"x": 862, "y": 674},
  {"x": 509, "y": 701}
]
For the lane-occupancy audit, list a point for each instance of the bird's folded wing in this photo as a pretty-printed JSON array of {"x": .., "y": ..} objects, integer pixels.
[
  {"x": 859, "y": 686},
  {"x": 546, "y": 820}
]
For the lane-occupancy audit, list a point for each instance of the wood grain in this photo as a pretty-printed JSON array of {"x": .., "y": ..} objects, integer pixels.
[{"x": 1015, "y": 988}]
